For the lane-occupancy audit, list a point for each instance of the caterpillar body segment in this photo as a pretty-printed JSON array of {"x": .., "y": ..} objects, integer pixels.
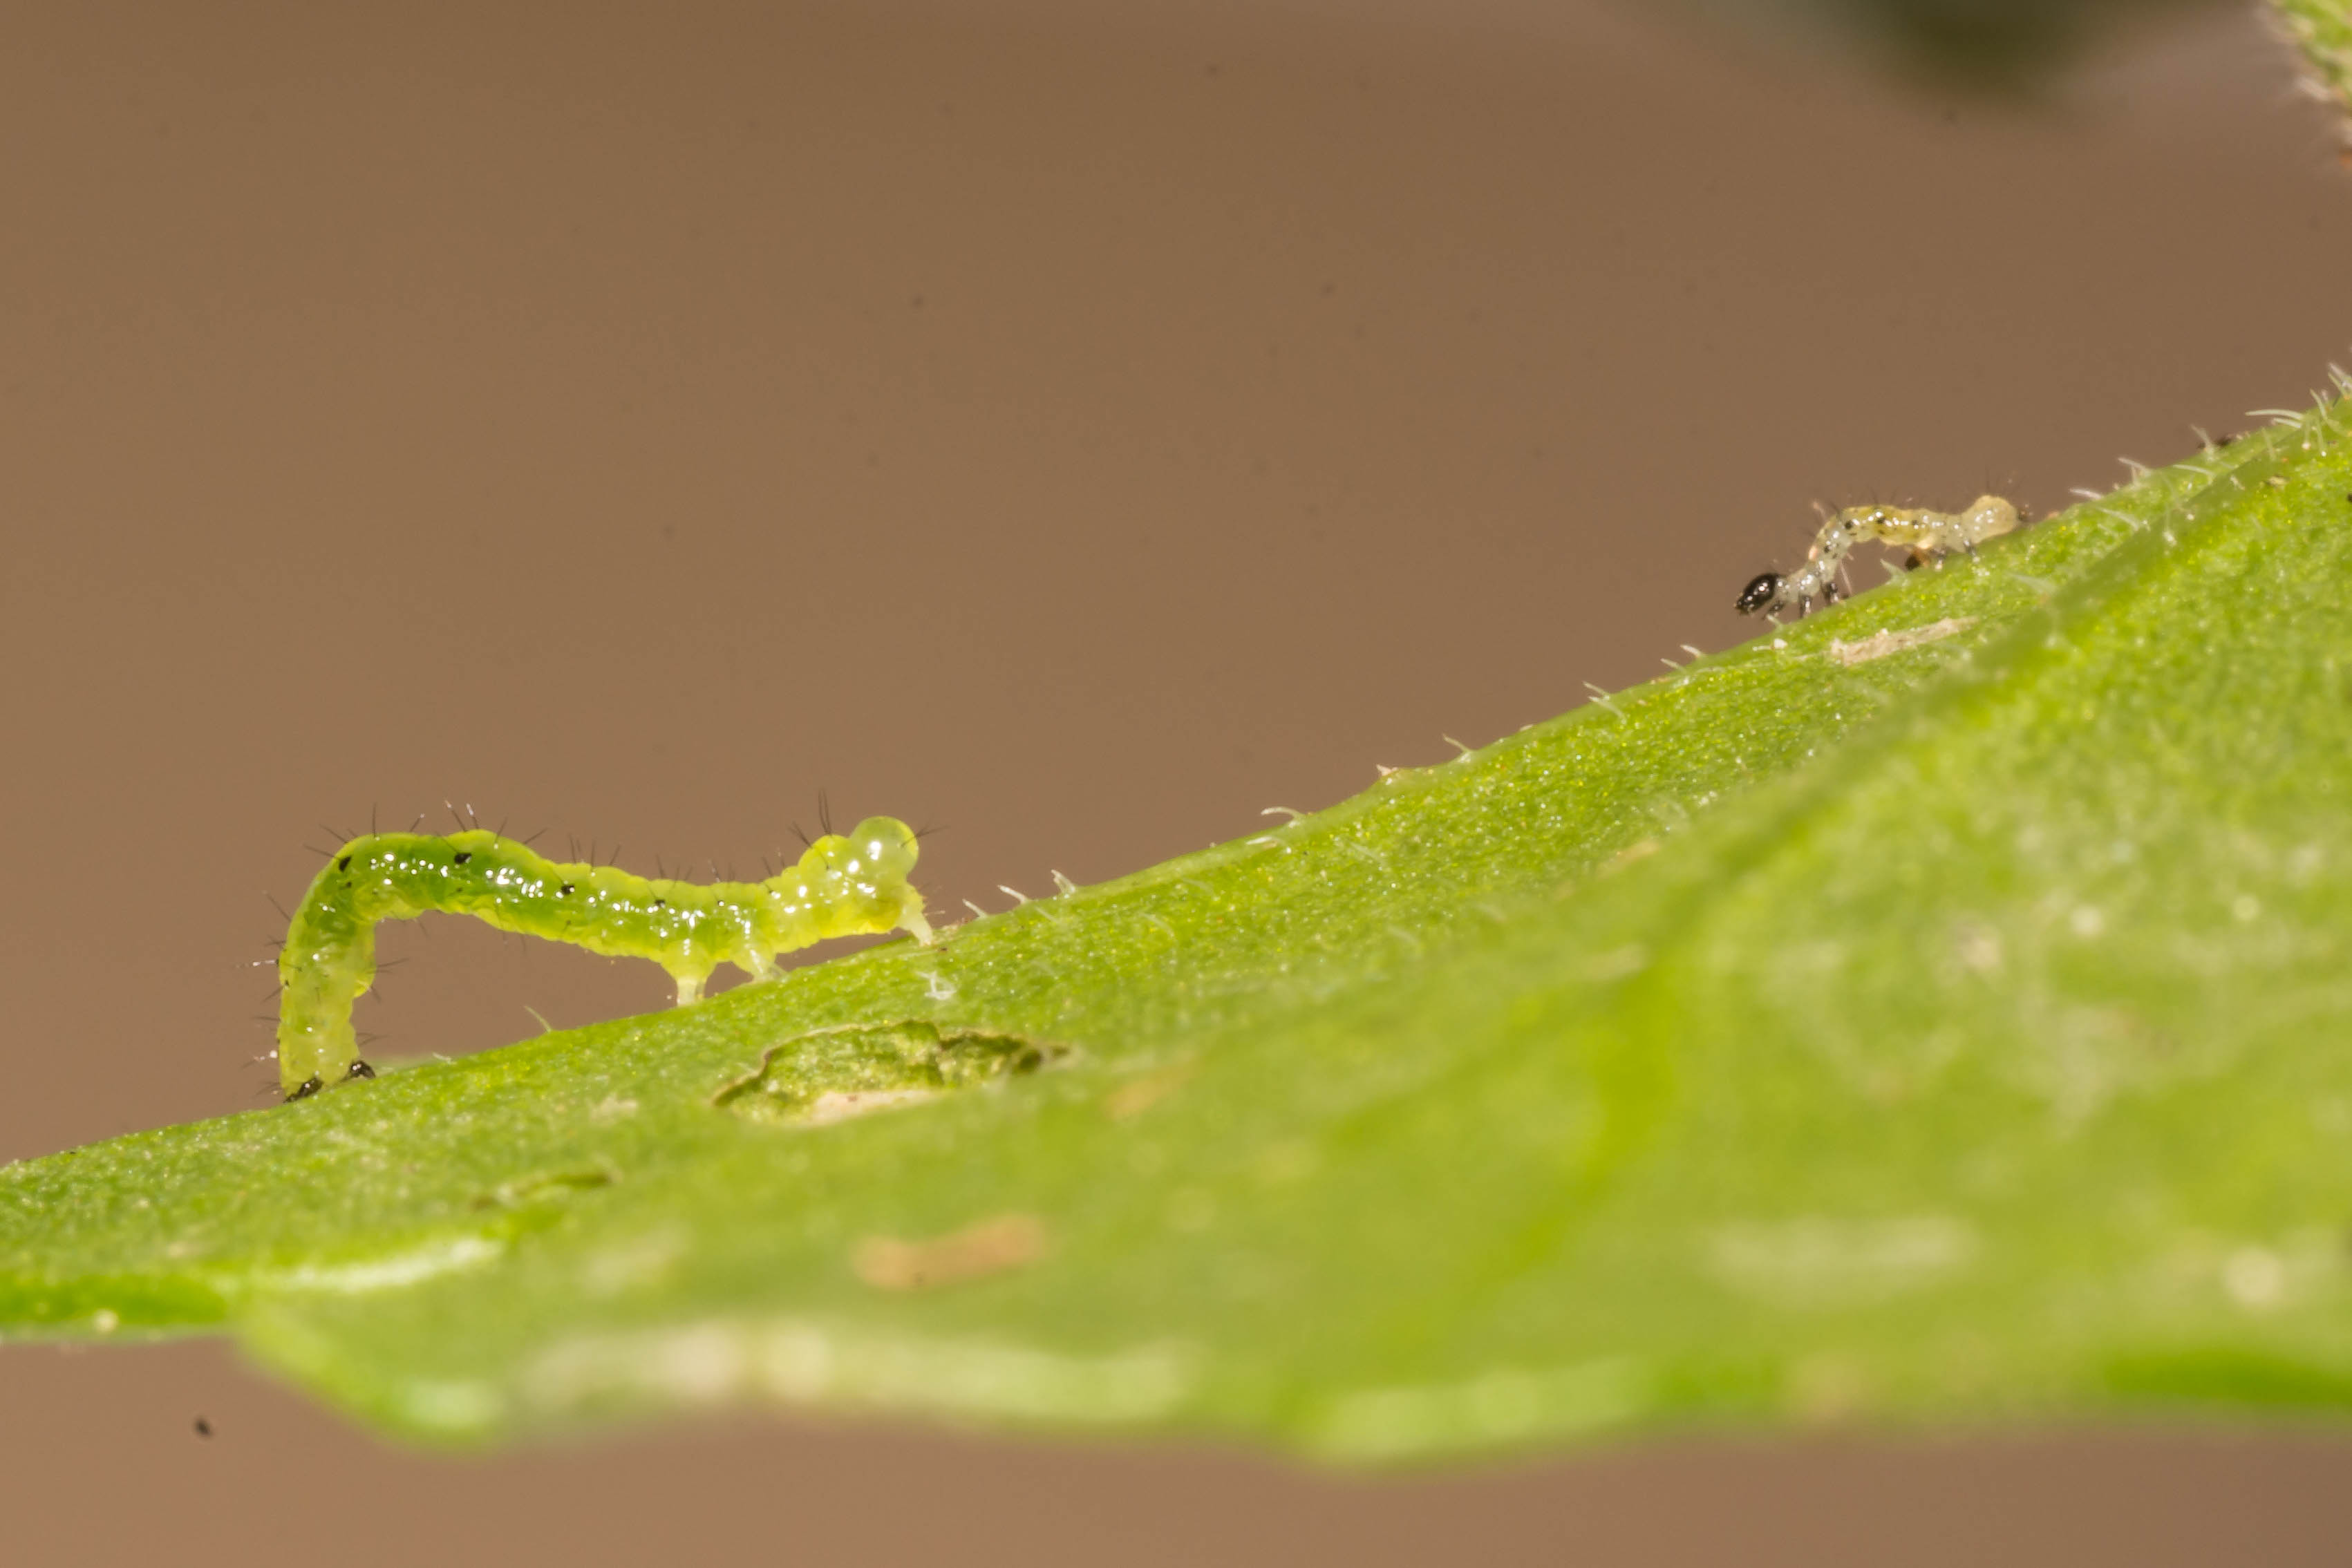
[
  {"x": 1927, "y": 534},
  {"x": 844, "y": 885}
]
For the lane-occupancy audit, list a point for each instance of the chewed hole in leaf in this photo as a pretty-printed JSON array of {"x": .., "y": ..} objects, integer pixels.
[{"x": 833, "y": 1074}]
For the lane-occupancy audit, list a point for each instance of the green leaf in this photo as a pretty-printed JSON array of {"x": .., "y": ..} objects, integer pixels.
[
  {"x": 1938, "y": 1009},
  {"x": 2322, "y": 29}
]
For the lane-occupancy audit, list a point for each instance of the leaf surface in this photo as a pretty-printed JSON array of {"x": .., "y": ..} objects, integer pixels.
[{"x": 1935, "y": 1009}]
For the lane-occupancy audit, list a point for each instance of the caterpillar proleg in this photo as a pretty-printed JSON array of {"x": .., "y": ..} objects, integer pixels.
[
  {"x": 843, "y": 886},
  {"x": 1927, "y": 534}
]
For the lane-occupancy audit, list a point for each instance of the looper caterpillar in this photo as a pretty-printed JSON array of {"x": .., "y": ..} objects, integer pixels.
[
  {"x": 843, "y": 886},
  {"x": 1927, "y": 534}
]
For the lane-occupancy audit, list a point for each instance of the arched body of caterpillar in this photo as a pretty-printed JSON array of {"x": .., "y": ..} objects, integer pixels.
[
  {"x": 843, "y": 886},
  {"x": 1927, "y": 534}
]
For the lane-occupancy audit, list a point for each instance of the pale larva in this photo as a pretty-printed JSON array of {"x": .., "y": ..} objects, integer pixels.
[
  {"x": 1927, "y": 534},
  {"x": 843, "y": 886}
]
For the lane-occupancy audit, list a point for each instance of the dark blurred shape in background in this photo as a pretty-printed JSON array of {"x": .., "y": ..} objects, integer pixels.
[{"x": 1998, "y": 46}]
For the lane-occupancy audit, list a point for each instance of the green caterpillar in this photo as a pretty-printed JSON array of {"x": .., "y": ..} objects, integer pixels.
[{"x": 843, "y": 886}]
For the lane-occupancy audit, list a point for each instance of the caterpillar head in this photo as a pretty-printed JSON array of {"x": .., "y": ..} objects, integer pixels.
[
  {"x": 885, "y": 848},
  {"x": 879, "y": 851},
  {"x": 1759, "y": 595},
  {"x": 1990, "y": 516}
]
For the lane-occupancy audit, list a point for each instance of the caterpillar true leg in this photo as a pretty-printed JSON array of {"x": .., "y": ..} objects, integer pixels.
[
  {"x": 843, "y": 886},
  {"x": 1927, "y": 534}
]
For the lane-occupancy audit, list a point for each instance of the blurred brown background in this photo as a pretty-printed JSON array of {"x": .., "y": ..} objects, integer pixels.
[{"x": 1078, "y": 426}]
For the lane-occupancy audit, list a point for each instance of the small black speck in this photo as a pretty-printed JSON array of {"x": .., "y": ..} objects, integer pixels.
[
  {"x": 308, "y": 1087},
  {"x": 661, "y": 903},
  {"x": 563, "y": 892},
  {"x": 464, "y": 855},
  {"x": 360, "y": 1070},
  {"x": 203, "y": 1427},
  {"x": 344, "y": 864}
]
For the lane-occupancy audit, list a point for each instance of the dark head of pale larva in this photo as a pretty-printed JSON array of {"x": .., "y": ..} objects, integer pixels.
[{"x": 1759, "y": 593}]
